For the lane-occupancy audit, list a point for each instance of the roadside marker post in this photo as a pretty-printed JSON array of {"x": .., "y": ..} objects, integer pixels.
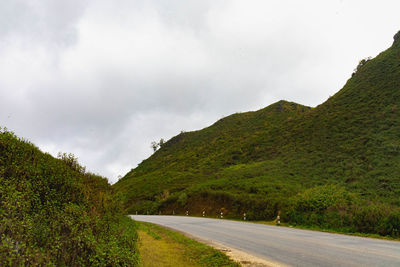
[
  {"x": 204, "y": 213},
  {"x": 222, "y": 215},
  {"x": 278, "y": 218},
  {"x": 187, "y": 213},
  {"x": 244, "y": 216}
]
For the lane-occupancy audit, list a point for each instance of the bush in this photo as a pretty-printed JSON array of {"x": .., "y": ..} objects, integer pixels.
[
  {"x": 333, "y": 207},
  {"x": 326, "y": 205},
  {"x": 53, "y": 213},
  {"x": 182, "y": 199}
]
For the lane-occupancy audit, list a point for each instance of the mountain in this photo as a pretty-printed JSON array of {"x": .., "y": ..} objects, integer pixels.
[
  {"x": 336, "y": 165},
  {"x": 53, "y": 213}
]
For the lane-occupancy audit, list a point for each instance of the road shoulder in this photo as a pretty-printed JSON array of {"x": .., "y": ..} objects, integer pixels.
[{"x": 244, "y": 258}]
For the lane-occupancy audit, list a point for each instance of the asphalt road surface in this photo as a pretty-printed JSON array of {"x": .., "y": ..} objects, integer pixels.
[{"x": 285, "y": 245}]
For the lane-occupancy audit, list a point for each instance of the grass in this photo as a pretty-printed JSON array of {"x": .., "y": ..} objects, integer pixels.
[{"x": 159, "y": 246}]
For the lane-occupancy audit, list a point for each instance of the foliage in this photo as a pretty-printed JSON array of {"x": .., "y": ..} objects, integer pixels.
[
  {"x": 53, "y": 213},
  {"x": 156, "y": 145},
  {"x": 333, "y": 207},
  {"x": 290, "y": 158},
  {"x": 360, "y": 64},
  {"x": 182, "y": 199}
]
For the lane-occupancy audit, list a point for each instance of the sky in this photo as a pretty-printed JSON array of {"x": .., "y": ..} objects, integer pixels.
[{"x": 103, "y": 79}]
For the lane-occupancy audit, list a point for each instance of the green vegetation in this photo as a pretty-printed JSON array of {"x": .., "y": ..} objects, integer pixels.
[
  {"x": 53, "y": 213},
  {"x": 334, "y": 166},
  {"x": 161, "y": 247}
]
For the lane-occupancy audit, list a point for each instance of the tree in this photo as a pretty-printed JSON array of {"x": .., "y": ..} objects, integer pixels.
[
  {"x": 162, "y": 142},
  {"x": 154, "y": 145}
]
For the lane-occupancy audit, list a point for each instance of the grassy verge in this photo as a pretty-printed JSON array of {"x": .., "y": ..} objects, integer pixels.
[{"x": 159, "y": 246}]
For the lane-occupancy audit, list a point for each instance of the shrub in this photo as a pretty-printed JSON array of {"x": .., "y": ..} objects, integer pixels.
[{"x": 53, "y": 213}]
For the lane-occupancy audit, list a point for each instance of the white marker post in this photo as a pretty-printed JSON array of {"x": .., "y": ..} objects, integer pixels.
[
  {"x": 173, "y": 212},
  {"x": 187, "y": 213},
  {"x": 278, "y": 218},
  {"x": 222, "y": 215},
  {"x": 244, "y": 216},
  {"x": 204, "y": 213}
]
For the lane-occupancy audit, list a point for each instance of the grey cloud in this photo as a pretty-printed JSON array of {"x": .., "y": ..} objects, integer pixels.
[
  {"x": 50, "y": 22},
  {"x": 102, "y": 79}
]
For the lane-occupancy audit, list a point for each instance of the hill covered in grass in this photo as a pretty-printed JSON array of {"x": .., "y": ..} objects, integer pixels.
[
  {"x": 53, "y": 213},
  {"x": 334, "y": 166}
]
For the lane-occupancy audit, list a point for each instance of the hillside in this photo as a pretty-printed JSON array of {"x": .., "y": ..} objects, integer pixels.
[
  {"x": 53, "y": 213},
  {"x": 335, "y": 166}
]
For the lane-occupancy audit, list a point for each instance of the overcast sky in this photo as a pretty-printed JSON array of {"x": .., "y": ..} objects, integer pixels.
[{"x": 102, "y": 79}]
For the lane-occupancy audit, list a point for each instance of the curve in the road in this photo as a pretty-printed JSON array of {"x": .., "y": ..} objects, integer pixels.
[{"x": 289, "y": 246}]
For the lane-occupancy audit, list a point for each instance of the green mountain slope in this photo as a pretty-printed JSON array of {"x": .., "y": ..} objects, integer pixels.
[
  {"x": 53, "y": 213},
  {"x": 336, "y": 165}
]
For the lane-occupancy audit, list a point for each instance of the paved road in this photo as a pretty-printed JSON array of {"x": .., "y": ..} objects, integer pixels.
[{"x": 289, "y": 246}]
